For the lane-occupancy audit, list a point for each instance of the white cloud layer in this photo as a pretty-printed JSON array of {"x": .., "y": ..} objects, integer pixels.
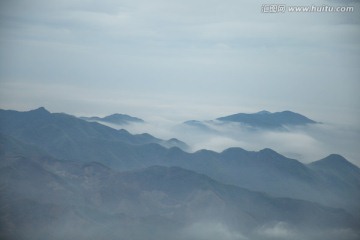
[
  {"x": 211, "y": 231},
  {"x": 305, "y": 143}
]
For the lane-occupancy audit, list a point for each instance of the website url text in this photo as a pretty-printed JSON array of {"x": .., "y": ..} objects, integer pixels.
[{"x": 282, "y": 8}]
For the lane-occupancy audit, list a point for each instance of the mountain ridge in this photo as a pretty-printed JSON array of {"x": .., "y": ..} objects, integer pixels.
[
  {"x": 90, "y": 195},
  {"x": 116, "y": 118},
  {"x": 265, "y": 119},
  {"x": 264, "y": 170}
]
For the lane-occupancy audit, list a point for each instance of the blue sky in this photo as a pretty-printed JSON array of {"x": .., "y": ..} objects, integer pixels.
[{"x": 179, "y": 59}]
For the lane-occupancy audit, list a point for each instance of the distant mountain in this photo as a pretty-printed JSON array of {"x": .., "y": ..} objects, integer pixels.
[
  {"x": 120, "y": 119},
  {"x": 145, "y": 138},
  {"x": 265, "y": 119},
  {"x": 72, "y": 139},
  {"x": 44, "y": 198},
  {"x": 347, "y": 175},
  {"x": 337, "y": 164},
  {"x": 199, "y": 125},
  {"x": 85, "y": 141},
  {"x": 175, "y": 143}
]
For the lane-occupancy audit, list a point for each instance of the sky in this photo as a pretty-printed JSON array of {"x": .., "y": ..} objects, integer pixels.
[{"x": 179, "y": 60}]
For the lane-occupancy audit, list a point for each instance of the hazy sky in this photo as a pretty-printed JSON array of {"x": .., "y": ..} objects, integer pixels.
[{"x": 179, "y": 59}]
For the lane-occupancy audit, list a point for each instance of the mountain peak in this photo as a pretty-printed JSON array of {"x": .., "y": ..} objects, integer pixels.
[
  {"x": 116, "y": 118},
  {"x": 265, "y": 119},
  {"x": 289, "y": 112},
  {"x": 121, "y": 118},
  {"x": 335, "y": 161},
  {"x": 263, "y": 112},
  {"x": 270, "y": 153},
  {"x": 268, "y": 150},
  {"x": 40, "y": 110},
  {"x": 335, "y": 157}
]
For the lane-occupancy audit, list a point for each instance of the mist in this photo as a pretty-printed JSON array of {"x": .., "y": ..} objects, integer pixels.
[
  {"x": 168, "y": 62},
  {"x": 305, "y": 143},
  {"x": 71, "y": 226}
]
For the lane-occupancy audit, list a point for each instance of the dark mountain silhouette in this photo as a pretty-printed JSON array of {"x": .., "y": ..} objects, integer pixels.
[
  {"x": 199, "y": 125},
  {"x": 338, "y": 173},
  {"x": 336, "y": 164},
  {"x": 55, "y": 132},
  {"x": 72, "y": 139},
  {"x": 265, "y": 119},
  {"x": 50, "y": 199},
  {"x": 145, "y": 138},
  {"x": 116, "y": 118}
]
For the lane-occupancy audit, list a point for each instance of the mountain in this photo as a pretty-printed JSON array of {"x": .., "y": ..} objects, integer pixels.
[
  {"x": 199, "y": 125},
  {"x": 265, "y": 119},
  {"x": 338, "y": 173},
  {"x": 262, "y": 120},
  {"x": 83, "y": 141},
  {"x": 271, "y": 172},
  {"x": 337, "y": 165},
  {"x": 120, "y": 119},
  {"x": 145, "y": 138},
  {"x": 45, "y": 198},
  {"x": 68, "y": 138}
]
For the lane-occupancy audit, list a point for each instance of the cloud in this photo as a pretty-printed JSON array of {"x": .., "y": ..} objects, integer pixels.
[
  {"x": 279, "y": 230},
  {"x": 305, "y": 143},
  {"x": 283, "y": 230},
  {"x": 340, "y": 234},
  {"x": 211, "y": 231}
]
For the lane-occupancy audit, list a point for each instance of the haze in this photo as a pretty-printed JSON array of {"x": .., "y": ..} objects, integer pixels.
[{"x": 179, "y": 59}]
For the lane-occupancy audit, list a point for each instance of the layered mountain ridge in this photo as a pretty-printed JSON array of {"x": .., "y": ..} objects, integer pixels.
[
  {"x": 116, "y": 118},
  {"x": 260, "y": 120},
  {"x": 70, "y": 199},
  {"x": 84, "y": 162},
  {"x": 265, "y": 119}
]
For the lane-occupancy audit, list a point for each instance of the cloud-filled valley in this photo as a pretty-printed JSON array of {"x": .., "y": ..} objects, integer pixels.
[{"x": 306, "y": 143}]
